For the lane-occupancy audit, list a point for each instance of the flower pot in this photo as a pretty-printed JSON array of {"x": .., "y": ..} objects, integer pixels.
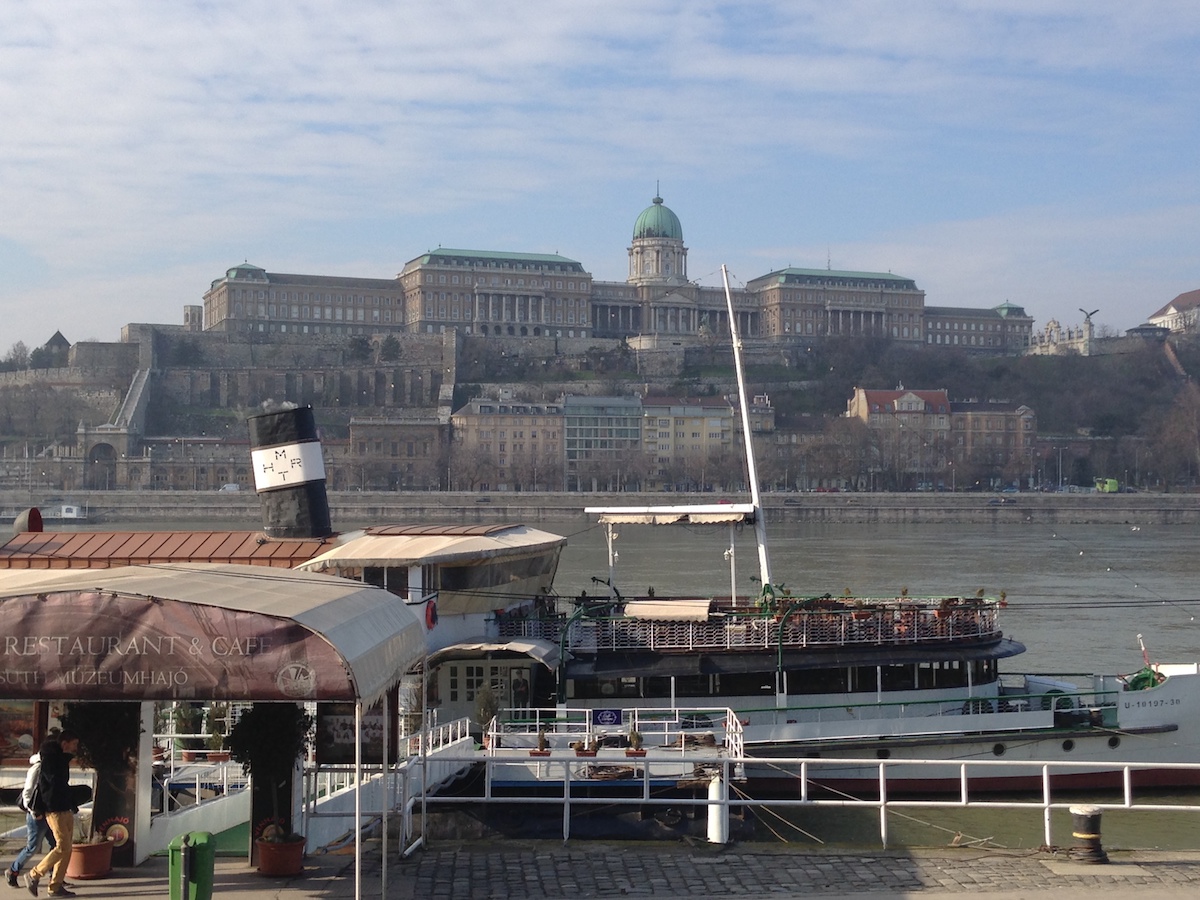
[
  {"x": 585, "y": 752},
  {"x": 539, "y": 752},
  {"x": 636, "y": 754},
  {"x": 280, "y": 857},
  {"x": 188, "y": 755},
  {"x": 218, "y": 756},
  {"x": 90, "y": 861}
]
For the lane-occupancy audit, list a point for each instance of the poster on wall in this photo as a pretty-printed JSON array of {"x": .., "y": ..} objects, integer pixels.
[
  {"x": 18, "y": 731},
  {"x": 336, "y": 740}
]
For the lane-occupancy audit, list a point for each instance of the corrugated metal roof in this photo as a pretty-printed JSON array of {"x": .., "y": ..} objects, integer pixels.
[{"x": 106, "y": 549}]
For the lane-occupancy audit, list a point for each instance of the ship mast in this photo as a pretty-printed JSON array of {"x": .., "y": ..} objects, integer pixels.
[{"x": 760, "y": 527}]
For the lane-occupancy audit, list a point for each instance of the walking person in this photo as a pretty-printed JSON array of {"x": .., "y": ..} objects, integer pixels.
[
  {"x": 36, "y": 828},
  {"x": 56, "y": 803}
]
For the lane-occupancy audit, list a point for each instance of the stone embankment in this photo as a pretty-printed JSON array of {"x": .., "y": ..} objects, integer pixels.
[{"x": 354, "y": 509}]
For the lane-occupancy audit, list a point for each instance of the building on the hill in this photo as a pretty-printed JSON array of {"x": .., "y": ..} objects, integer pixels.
[
  {"x": 602, "y": 440},
  {"x": 508, "y": 294},
  {"x": 995, "y": 436},
  {"x": 250, "y": 299},
  {"x": 1006, "y": 328},
  {"x": 922, "y": 440},
  {"x": 507, "y": 445},
  {"x": 1181, "y": 315},
  {"x": 492, "y": 293}
]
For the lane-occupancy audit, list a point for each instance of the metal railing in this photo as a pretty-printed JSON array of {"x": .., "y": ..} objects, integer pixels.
[
  {"x": 889, "y": 622},
  {"x": 572, "y": 777}
]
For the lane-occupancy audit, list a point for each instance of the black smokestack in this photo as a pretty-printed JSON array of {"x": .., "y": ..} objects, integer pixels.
[{"x": 289, "y": 473}]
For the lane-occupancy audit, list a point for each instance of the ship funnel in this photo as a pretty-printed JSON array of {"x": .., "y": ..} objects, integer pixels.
[{"x": 289, "y": 473}]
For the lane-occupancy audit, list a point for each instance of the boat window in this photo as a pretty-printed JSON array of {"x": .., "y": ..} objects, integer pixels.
[
  {"x": 864, "y": 678},
  {"x": 693, "y": 686},
  {"x": 816, "y": 681},
  {"x": 745, "y": 684},
  {"x": 898, "y": 678}
]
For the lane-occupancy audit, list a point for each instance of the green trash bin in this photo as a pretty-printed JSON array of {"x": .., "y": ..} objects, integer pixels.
[{"x": 192, "y": 858}]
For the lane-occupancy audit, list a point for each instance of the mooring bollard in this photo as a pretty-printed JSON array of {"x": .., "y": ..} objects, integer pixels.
[{"x": 1086, "y": 824}]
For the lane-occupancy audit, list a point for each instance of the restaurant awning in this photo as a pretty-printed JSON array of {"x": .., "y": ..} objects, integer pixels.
[{"x": 201, "y": 631}]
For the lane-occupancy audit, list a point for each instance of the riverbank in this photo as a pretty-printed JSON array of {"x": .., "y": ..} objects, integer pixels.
[{"x": 348, "y": 509}]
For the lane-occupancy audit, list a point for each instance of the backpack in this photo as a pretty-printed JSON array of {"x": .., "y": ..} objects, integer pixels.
[{"x": 32, "y": 789}]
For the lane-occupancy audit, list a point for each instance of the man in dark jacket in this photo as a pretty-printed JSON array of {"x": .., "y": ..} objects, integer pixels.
[{"x": 57, "y": 805}]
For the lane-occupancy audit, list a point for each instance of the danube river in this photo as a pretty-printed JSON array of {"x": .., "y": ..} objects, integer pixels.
[{"x": 1078, "y": 597}]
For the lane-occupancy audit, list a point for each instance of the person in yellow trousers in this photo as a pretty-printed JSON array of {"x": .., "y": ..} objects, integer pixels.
[{"x": 53, "y": 800}]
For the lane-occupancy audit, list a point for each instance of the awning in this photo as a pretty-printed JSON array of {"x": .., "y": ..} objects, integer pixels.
[
  {"x": 199, "y": 631},
  {"x": 702, "y": 514},
  {"x": 670, "y": 610},
  {"x": 545, "y": 652},
  {"x": 396, "y": 547}
]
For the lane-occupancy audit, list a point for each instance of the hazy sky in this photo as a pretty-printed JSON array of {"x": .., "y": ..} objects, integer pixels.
[{"x": 1041, "y": 152}]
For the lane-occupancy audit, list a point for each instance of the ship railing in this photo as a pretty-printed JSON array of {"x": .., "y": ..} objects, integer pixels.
[
  {"x": 794, "y": 631},
  {"x": 666, "y": 728}
]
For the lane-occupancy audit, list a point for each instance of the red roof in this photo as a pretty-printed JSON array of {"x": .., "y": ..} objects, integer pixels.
[
  {"x": 881, "y": 401},
  {"x": 106, "y": 549},
  {"x": 1182, "y": 303}
]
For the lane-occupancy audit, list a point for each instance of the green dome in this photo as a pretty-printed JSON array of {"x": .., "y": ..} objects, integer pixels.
[{"x": 657, "y": 221}]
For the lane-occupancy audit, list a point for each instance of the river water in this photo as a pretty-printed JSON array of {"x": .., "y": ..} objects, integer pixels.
[{"x": 1078, "y": 597}]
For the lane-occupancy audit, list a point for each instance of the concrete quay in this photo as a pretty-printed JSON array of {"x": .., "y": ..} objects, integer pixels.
[
  {"x": 241, "y": 510},
  {"x": 550, "y": 870}
]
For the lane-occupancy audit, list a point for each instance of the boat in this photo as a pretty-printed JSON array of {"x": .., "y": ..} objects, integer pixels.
[{"x": 776, "y": 676}]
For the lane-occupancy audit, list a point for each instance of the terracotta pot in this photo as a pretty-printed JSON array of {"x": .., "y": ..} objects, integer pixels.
[
  {"x": 188, "y": 755},
  {"x": 635, "y": 753},
  {"x": 585, "y": 752},
  {"x": 215, "y": 756},
  {"x": 280, "y": 857},
  {"x": 90, "y": 861},
  {"x": 539, "y": 752}
]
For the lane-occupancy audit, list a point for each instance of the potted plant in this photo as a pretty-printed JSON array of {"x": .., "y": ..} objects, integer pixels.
[
  {"x": 189, "y": 718},
  {"x": 542, "y": 744},
  {"x": 486, "y": 708},
  {"x": 268, "y": 739},
  {"x": 589, "y": 749},
  {"x": 108, "y": 743},
  {"x": 635, "y": 743},
  {"x": 217, "y": 720}
]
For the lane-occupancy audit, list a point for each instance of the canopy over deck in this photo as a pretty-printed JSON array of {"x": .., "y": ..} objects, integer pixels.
[
  {"x": 478, "y": 567},
  {"x": 198, "y": 631},
  {"x": 697, "y": 514}
]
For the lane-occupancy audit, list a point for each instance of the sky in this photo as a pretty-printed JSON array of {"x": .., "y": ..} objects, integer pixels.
[{"x": 1043, "y": 153}]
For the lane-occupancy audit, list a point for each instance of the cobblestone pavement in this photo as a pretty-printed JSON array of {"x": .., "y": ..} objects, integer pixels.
[
  {"x": 548, "y": 870},
  {"x": 579, "y": 870}
]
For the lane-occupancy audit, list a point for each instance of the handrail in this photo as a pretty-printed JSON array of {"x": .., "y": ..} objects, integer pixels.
[
  {"x": 878, "y": 623},
  {"x": 807, "y": 770}
]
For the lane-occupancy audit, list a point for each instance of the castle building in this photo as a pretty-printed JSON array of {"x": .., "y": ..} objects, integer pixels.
[
  {"x": 508, "y": 294},
  {"x": 485, "y": 292}
]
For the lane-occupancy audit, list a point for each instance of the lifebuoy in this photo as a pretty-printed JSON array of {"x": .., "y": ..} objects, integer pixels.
[{"x": 430, "y": 614}]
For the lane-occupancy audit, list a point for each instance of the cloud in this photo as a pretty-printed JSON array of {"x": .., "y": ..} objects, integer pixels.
[{"x": 144, "y": 141}]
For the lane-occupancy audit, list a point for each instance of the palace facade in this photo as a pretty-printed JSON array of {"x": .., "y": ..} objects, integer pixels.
[{"x": 494, "y": 293}]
